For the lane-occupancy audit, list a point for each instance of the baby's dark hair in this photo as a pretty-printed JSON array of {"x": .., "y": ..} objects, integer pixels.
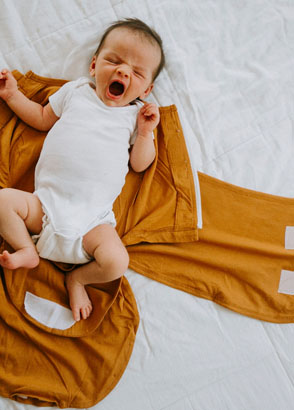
[{"x": 138, "y": 26}]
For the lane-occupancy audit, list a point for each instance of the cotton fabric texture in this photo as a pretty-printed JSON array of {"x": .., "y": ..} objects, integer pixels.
[{"x": 81, "y": 169}]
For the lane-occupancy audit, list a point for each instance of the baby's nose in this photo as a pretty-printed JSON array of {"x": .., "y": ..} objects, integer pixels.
[{"x": 124, "y": 72}]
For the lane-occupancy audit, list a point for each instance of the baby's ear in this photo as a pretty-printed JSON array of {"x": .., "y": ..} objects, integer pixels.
[
  {"x": 147, "y": 91},
  {"x": 92, "y": 66}
]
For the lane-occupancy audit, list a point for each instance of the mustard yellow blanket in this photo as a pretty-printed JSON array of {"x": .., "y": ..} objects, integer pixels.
[
  {"x": 243, "y": 259},
  {"x": 49, "y": 363}
]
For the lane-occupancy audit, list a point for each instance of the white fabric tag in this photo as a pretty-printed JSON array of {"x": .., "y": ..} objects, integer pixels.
[
  {"x": 286, "y": 282},
  {"x": 289, "y": 237},
  {"x": 48, "y": 313}
]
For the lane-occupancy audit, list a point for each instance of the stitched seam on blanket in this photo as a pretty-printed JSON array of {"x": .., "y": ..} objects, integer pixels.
[
  {"x": 166, "y": 280},
  {"x": 191, "y": 192},
  {"x": 243, "y": 191},
  {"x": 178, "y": 158},
  {"x": 45, "y": 80}
]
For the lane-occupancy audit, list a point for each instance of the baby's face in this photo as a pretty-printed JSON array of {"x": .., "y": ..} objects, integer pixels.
[{"x": 124, "y": 67}]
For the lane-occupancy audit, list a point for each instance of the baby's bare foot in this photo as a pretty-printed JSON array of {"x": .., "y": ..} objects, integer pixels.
[
  {"x": 22, "y": 258},
  {"x": 78, "y": 298}
]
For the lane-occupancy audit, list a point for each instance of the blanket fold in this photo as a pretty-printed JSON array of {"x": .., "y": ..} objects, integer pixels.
[
  {"x": 77, "y": 364},
  {"x": 159, "y": 205},
  {"x": 242, "y": 258}
]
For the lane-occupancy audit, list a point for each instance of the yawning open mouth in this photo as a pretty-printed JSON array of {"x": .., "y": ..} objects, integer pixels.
[{"x": 116, "y": 88}]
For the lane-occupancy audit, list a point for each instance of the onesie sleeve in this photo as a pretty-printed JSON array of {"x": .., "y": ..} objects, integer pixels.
[{"x": 59, "y": 99}]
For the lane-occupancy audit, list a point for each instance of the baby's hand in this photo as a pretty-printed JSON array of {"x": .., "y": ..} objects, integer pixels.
[
  {"x": 148, "y": 119},
  {"x": 8, "y": 85}
]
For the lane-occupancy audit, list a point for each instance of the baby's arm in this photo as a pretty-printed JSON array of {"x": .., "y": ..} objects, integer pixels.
[
  {"x": 34, "y": 114},
  {"x": 143, "y": 150}
]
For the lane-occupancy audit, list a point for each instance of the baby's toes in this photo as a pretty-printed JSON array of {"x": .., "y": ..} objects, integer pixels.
[
  {"x": 5, "y": 255},
  {"x": 76, "y": 314},
  {"x": 86, "y": 311}
]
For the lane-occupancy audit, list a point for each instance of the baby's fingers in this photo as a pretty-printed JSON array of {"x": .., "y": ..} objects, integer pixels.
[
  {"x": 6, "y": 75},
  {"x": 3, "y": 74},
  {"x": 150, "y": 109}
]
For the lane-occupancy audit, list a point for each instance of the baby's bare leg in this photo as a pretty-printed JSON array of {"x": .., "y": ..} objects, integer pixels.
[
  {"x": 20, "y": 213},
  {"x": 111, "y": 262}
]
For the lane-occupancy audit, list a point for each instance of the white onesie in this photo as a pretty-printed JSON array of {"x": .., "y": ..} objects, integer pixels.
[{"x": 81, "y": 169}]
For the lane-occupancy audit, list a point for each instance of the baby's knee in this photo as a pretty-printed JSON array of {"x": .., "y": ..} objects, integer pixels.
[
  {"x": 5, "y": 193},
  {"x": 10, "y": 196},
  {"x": 116, "y": 263},
  {"x": 103, "y": 243},
  {"x": 11, "y": 201},
  {"x": 6, "y": 198},
  {"x": 123, "y": 261}
]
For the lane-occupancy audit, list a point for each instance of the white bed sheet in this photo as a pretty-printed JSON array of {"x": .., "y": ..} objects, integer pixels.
[{"x": 230, "y": 71}]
